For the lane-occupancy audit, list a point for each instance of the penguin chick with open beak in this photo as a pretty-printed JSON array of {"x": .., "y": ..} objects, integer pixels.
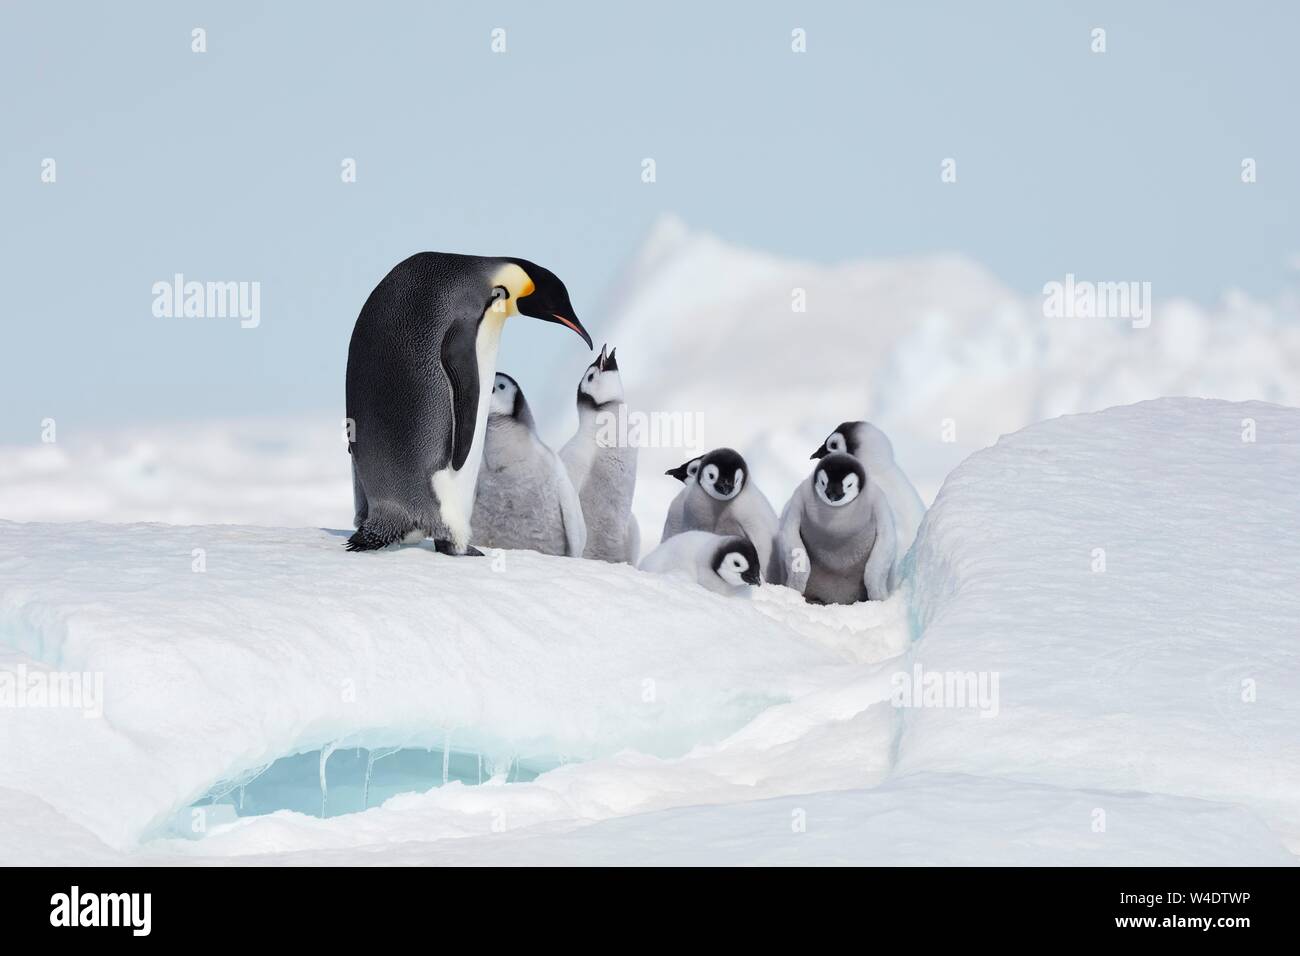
[{"x": 601, "y": 461}]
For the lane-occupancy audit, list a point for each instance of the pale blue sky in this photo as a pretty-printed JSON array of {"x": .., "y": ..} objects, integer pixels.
[{"x": 225, "y": 165}]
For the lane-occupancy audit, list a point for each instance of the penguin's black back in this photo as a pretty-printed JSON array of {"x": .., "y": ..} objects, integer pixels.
[{"x": 398, "y": 396}]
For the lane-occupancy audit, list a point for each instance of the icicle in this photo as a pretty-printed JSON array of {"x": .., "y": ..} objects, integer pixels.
[
  {"x": 446, "y": 757},
  {"x": 365, "y": 787},
  {"x": 374, "y": 757},
  {"x": 324, "y": 790}
]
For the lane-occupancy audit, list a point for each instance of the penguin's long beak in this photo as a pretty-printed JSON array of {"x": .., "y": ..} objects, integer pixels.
[
  {"x": 679, "y": 472},
  {"x": 821, "y": 452},
  {"x": 573, "y": 324}
]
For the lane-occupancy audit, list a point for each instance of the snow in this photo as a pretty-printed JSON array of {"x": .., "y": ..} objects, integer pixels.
[
  {"x": 1177, "y": 668},
  {"x": 690, "y": 728},
  {"x": 288, "y": 643}
]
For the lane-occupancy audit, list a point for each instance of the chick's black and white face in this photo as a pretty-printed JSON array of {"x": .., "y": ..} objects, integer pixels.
[
  {"x": 845, "y": 440},
  {"x": 722, "y": 473},
  {"x": 724, "y": 486},
  {"x": 838, "y": 480},
  {"x": 504, "y": 391},
  {"x": 600, "y": 382},
  {"x": 733, "y": 568},
  {"x": 686, "y": 473},
  {"x": 736, "y": 562}
]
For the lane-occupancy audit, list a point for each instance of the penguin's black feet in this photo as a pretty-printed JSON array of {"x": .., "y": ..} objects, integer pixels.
[
  {"x": 366, "y": 539},
  {"x": 446, "y": 547}
]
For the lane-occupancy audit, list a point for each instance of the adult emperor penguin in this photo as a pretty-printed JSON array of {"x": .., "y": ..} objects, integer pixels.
[
  {"x": 423, "y": 350},
  {"x": 602, "y": 465},
  {"x": 837, "y": 535},
  {"x": 525, "y": 499},
  {"x": 725, "y": 564},
  {"x": 725, "y": 500},
  {"x": 869, "y": 445},
  {"x": 686, "y": 473}
]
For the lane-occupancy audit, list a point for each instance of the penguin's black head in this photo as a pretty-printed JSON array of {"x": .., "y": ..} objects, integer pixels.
[
  {"x": 722, "y": 473},
  {"x": 839, "y": 478},
  {"x": 843, "y": 439},
  {"x": 685, "y": 471},
  {"x": 548, "y": 299},
  {"x": 736, "y": 562}
]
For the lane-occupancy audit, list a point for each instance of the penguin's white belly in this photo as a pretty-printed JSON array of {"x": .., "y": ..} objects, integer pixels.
[{"x": 455, "y": 488}]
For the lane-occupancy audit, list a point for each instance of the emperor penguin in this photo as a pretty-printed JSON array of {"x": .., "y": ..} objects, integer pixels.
[
  {"x": 423, "y": 351},
  {"x": 524, "y": 499},
  {"x": 837, "y": 535},
  {"x": 725, "y": 500},
  {"x": 601, "y": 462},
  {"x": 686, "y": 473},
  {"x": 724, "y": 564},
  {"x": 871, "y": 446}
]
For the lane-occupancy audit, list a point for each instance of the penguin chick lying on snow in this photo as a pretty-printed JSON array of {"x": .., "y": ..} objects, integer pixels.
[
  {"x": 724, "y": 500},
  {"x": 603, "y": 471},
  {"x": 725, "y": 564},
  {"x": 687, "y": 474},
  {"x": 524, "y": 498},
  {"x": 837, "y": 535},
  {"x": 869, "y": 445}
]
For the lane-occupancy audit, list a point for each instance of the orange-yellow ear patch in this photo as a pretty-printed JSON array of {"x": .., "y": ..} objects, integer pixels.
[{"x": 514, "y": 279}]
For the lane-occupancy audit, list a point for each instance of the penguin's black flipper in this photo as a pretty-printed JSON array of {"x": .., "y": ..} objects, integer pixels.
[{"x": 460, "y": 363}]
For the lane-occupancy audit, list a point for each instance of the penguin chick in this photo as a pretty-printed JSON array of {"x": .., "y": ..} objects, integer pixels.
[
  {"x": 725, "y": 500},
  {"x": 724, "y": 564},
  {"x": 871, "y": 446},
  {"x": 420, "y": 366},
  {"x": 837, "y": 535},
  {"x": 602, "y": 465},
  {"x": 524, "y": 498},
  {"x": 685, "y": 473}
]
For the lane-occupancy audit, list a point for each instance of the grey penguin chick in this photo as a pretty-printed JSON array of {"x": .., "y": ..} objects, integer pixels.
[
  {"x": 687, "y": 474},
  {"x": 524, "y": 498},
  {"x": 724, "y": 564},
  {"x": 602, "y": 465},
  {"x": 422, "y": 355},
  {"x": 725, "y": 500},
  {"x": 837, "y": 535},
  {"x": 871, "y": 446}
]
